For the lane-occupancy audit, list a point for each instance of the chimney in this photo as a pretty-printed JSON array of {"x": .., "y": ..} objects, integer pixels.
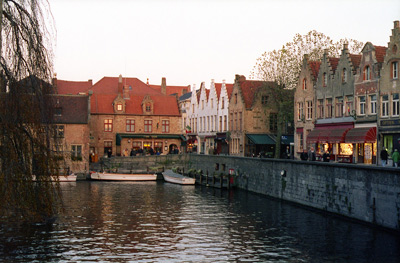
[
  {"x": 240, "y": 78},
  {"x": 126, "y": 92},
  {"x": 164, "y": 86},
  {"x": 147, "y": 81},
  {"x": 396, "y": 24},
  {"x": 55, "y": 82},
  {"x": 120, "y": 86}
]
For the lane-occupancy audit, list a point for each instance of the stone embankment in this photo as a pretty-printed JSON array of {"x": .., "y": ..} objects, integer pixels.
[{"x": 367, "y": 193}]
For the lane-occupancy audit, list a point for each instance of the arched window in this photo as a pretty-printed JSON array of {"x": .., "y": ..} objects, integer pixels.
[
  {"x": 304, "y": 84},
  {"x": 344, "y": 75},
  {"x": 324, "y": 79}
]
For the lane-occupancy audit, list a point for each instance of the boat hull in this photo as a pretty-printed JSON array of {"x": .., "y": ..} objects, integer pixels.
[
  {"x": 60, "y": 178},
  {"x": 178, "y": 180},
  {"x": 123, "y": 177}
]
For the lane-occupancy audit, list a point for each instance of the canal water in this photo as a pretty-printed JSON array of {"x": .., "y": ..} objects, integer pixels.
[{"x": 161, "y": 222}]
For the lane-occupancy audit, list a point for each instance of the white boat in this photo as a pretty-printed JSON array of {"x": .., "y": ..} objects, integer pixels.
[
  {"x": 60, "y": 178},
  {"x": 123, "y": 177},
  {"x": 171, "y": 177}
]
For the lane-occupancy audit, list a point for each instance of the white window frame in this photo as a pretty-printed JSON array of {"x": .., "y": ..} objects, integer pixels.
[
  {"x": 361, "y": 105},
  {"x": 372, "y": 103},
  {"x": 385, "y": 106},
  {"x": 395, "y": 104}
]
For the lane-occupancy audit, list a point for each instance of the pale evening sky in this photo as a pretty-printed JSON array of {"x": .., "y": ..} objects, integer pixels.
[{"x": 191, "y": 41}]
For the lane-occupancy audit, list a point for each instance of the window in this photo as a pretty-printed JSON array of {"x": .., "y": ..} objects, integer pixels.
[
  {"x": 59, "y": 131},
  {"x": 240, "y": 121},
  {"x": 320, "y": 108},
  {"x": 300, "y": 111},
  {"x": 395, "y": 70},
  {"x": 165, "y": 126},
  {"x": 192, "y": 108},
  {"x": 329, "y": 108},
  {"x": 235, "y": 98},
  {"x": 395, "y": 104},
  {"x": 367, "y": 73},
  {"x": 202, "y": 104},
  {"x": 324, "y": 79},
  {"x": 107, "y": 146},
  {"x": 212, "y": 103},
  {"x": 58, "y": 111},
  {"x": 130, "y": 125},
  {"x": 344, "y": 75},
  {"x": 339, "y": 107},
  {"x": 76, "y": 152},
  {"x": 372, "y": 99},
  {"x": 361, "y": 105},
  {"x": 236, "y": 121},
  {"x": 119, "y": 107},
  {"x": 225, "y": 123},
  {"x": 385, "y": 106},
  {"x": 304, "y": 84},
  {"x": 349, "y": 105},
  {"x": 273, "y": 122},
  {"x": 148, "y": 107},
  {"x": 148, "y": 124},
  {"x": 220, "y": 123},
  {"x": 222, "y": 103},
  {"x": 108, "y": 125},
  {"x": 309, "y": 110},
  {"x": 264, "y": 100}
]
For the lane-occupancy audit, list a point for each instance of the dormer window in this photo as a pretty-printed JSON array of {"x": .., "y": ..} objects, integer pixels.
[
  {"x": 148, "y": 107},
  {"x": 119, "y": 107}
]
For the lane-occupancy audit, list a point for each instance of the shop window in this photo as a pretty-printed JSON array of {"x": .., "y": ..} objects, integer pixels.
[
  {"x": 158, "y": 147},
  {"x": 136, "y": 146}
]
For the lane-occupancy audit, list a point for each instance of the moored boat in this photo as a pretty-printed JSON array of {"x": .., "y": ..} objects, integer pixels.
[
  {"x": 175, "y": 178},
  {"x": 60, "y": 178},
  {"x": 123, "y": 177}
]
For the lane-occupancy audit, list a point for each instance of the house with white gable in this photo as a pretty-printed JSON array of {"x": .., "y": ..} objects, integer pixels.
[
  {"x": 203, "y": 119},
  {"x": 222, "y": 137},
  {"x": 191, "y": 120}
]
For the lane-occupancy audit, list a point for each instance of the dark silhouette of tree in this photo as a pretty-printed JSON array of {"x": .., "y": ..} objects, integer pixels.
[{"x": 26, "y": 134}]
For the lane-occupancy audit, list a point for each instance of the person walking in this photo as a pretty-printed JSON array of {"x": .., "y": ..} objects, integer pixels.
[
  {"x": 326, "y": 156},
  {"x": 304, "y": 155},
  {"x": 395, "y": 157},
  {"x": 384, "y": 157},
  {"x": 311, "y": 155}
]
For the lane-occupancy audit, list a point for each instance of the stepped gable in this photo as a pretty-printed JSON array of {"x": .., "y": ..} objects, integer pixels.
[
  {"x": 334, "y": 63},
  {"x": 72, "y": 87},
  {"x": 218, "y": 88},
  {"x": 229, "y": 89},
  {"x": 314, "y": 66},
  {"x": 380, "y": 53}
]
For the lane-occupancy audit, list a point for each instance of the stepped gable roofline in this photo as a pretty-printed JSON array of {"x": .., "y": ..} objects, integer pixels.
[
  {"x": 72, "y": 87},
  {"x": 73, "y": 108},
  {"x": 163, "y": 105},
  {"x": 228, "y": 87},
  {"x": 109, "y": 85},
  {"x": 218, "y": 88},
  {"x": 334, "y": 63},
  {"x": 314, "y": 67}
]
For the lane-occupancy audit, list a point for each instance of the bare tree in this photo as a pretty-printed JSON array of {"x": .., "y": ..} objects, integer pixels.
[{"x": 26, "y": 108}]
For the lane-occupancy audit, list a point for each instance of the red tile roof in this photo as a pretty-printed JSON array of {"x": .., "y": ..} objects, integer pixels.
[
  {"x": 314, "y": 66},
  {"x": 172, "y": 89},
  {"x": 218, "y": 87},
  {"x": 229, "y": 89},
  {"x": 249, "y": 89},
  {"x": 333, "y": 62},
  {"x": 207, "y": 93},
  {"x": 72, "y": 87},
  {"x": 109, "y": 85},
  {"x": 380, "y": 53},
  {"x": 74, "y": 109},
  {"x": 163, "y": 105},
  {"x": 355, "y": 60}
]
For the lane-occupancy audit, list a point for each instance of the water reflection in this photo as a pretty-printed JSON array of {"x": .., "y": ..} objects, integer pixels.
[{"x": 160, "y": 222}]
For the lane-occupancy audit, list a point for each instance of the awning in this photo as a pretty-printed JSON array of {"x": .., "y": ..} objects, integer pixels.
[
  {"x": 260, "y": 139},
  {"x": 337, "y": 135},
  {"x": 361, "y": 135},
  {"x": 313, "y": 136},
  {"x": 119, "y": 136}
]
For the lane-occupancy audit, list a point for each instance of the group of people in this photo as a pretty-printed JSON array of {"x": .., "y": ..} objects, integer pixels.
[
  {"x": 311, "y": 156},
  {"x": 139, "y": 151},
  {"x": 385, "y": 156}
]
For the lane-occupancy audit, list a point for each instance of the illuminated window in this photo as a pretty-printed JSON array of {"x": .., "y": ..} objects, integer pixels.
[
  {"x": 108, "y": 125},
  {"x": 119, "y": 107}
]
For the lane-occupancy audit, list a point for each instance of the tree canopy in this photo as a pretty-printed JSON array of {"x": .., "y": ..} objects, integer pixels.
[
  {"x": 283, "y": 65},
  {"x": 26, "y": 134}
]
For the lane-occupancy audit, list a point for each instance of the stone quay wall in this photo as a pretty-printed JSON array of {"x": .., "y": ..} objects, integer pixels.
[{"x": 367, "y": 193}]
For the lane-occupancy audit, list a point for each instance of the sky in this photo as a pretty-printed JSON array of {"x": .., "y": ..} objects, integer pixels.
[{"x": 194, "y": 41}]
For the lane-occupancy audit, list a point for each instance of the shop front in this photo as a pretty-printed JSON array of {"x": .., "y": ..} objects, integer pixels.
[
  {"x": 262, "y": 145},
  {"x": 221, "y": 143},
  {"x": 191, "y": 144},
  {"x": 364, "y": 143}
]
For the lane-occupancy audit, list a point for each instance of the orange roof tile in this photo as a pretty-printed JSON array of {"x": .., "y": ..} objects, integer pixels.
[
  {"x": 355, "y": 60},
  {"x": 109, "y": 85},
  {"x": 314, "y": 66},
  {"x": 218, "y": 87},
  {"x": 249, "y": 89},
  {"x": 380, "y": 53},
  {"x": 229, "y": 89},
  {"x": 72, "y": 87},
  {"x": 207, "y": 93}
]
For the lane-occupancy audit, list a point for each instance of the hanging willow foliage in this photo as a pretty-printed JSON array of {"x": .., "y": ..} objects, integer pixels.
[{"x": 26, "y": 109}]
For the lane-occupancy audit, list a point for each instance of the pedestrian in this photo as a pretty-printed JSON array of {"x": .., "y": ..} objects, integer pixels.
[
  {"x": 311, "y": 154},
  {"x": 304, "y": 155},
  {"x": 132, "y": 152},
  {"x": 109, "y": 153},
  {"x": 395, "y": 157},
  {"x": 326, "y": 156},
  {"x": 384, "y": 157}
]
